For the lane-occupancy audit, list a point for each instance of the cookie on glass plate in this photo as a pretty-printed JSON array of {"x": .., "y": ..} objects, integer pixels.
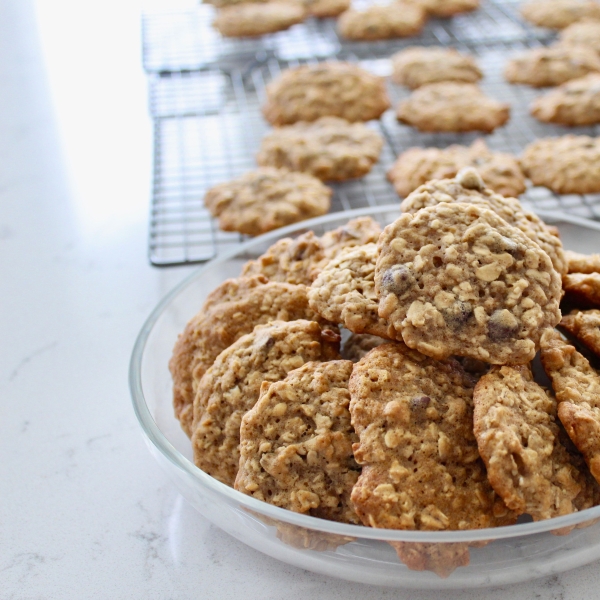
[
  {"x": 256, "y": 19},
  {"x": 558, "y": 14},
  {"x": 584, "y": 325},
  {"x": 582, "y": 290},
  {"x": 395, "y": 20},
  {"x": 453, "y": 107}
]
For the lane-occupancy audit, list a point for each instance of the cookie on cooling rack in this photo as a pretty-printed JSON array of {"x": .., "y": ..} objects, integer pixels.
[
  {"x": 296, "y": 443},
  {"x": 325, "y": 8},
  {"x": 542, "y": 67},
  {"x": 584, "y": 325},
  {"x": 337, "y": 89},
  {"x": 447, "y": 8},
  {"x": 252, "y": 20},
  {"x": 558, "y": 14},
  {"x": 566, "y": 164},
  {"x": 519, "y": 439},
  {"x": 500, "y": 171},
  {"x": 420, "y": 65},
  {"x": 454, "y": 107},
  {"x": 456, "y": 279},
  {"x": 576, "y": 102},
  {"x": 584, "y": 32},
  {"x": 265, "y": 199},
  {"x": 395, "y": 20},
  {"x": 231, "y": 387},
  {"x": 329, "y": 148}
]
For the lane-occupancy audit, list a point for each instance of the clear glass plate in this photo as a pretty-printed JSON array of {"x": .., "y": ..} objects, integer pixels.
[{"x": 497, "y": 556}]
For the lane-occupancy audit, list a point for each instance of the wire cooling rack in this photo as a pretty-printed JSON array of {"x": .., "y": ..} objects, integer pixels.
[{"x": 208, "y": 127}]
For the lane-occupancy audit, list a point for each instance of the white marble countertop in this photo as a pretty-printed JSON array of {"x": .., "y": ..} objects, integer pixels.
[{"x": 84, "y": 510}]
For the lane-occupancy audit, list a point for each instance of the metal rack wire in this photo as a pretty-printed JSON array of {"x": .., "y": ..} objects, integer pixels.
[{"x": 208, "y": 127}]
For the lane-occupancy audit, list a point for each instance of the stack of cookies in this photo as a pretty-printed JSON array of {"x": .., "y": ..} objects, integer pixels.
[{"x": 429, "y": 416}]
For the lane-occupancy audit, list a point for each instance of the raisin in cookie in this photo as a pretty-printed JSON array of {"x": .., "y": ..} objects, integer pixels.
[
  {"x": 577, "y": 388},
  {"x": 296, "y": 443},
  {"x": 576, "y": 102},
  {"x": 519, "y": 440},
  {"x": 456, "y": 279},
  {"x": 420, "y": 65},
  {"x": 231, "y": 387},
  {"x": 558, "y": 14},
  {"x": 468, "y": 187},
  {"x": 585, "y": 32},
  {"x": 265, "y": 199},
  {"x": 541, "y": 67},
  {"x": 584, "y": 325},
  {"x": 582, "y": 289},
  {"x": 566, "y": 165},
  {"x": 329, "y": 148},
  {"x": 582, "y": 263},
  {"x": 447, "y": 8},
  {"x": 359, "y": 344},
  {"x": 395, "y": 20},
  {"x": 416, "y": 166},
  {"x": 452, "y": 106},
  {"x": 251, "y": 20},
  {"x": 337, "y": 89}
]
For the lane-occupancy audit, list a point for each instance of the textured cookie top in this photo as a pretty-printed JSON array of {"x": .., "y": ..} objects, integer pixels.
[
  {"x": 452, "y": 106},
  {"x": 329, "y": 148},
  {"x": 447, "y": 8},
  {"x": 326, "y": 8},
  {"x": 356, "y": 232},
  {"x": 345, "y": 292},
  {"x": 518, "y": 438},
  {"x": 541, "y": 67},
  {"x": 557, "y": 14},
  {"x": 457, "y": 279},
  {"x": 468, "y": 187},
  {"x": 585, "y": 32},
  {"x": 250, "y": 19},
  {"x": 265, "y": 199},
  {"x": 582, "y": 289},
  {"x": 416, "y": 166},
  {"x": 582, "y": 263},
  {"x": 296, "y": 443},
  {"x": 419, "y": 65},
  {"x": 421, "y": 467},
  {"x": 585, "y": 326},
  {"x": 230, "y": 388},
  {"x": 399, "y": 19},
  {"x": 231, "y": 311},
  {"x": 566, "y": 164},
  {"x": 359, "y": 344},
  {"x": 337, "y": 89},
  {"x": 576, "y": 102}
]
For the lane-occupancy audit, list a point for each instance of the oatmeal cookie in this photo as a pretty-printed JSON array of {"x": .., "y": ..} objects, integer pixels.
[
  {"x": 329, "y": 148},
  {"x": 296, "y": 443},
  {"x": 326, "y": 8},
  {"x": 265, "y": 199},
  {"x": 518, "y": 438},
  {"x": 468, "y": 187},
  {"x": 576, "y": 102},
  {"x": 566, "y": 164},
  {"x": 584, "y": 32},
  {"x": 452, "y": 106},
  {"x": 585, "y": 326},
  {"x": 447, "y": 8},
  {"x": 252, "y": 20},
  {"x": 442, "y": 559},
  {"x": 336, "y": 89},
  {"x": 231, "y": 386},
  {"x": 577, "y": 388},
  {"x": 358, "y": 344},
  {"x": 582, "y": 263},
  {"x": 553, "y": 65},
  {"x": 582, "y": 289},
  {"x": 421, "y": 468},
  {"x": 395, "y": 20},
  {"x": 456, "y": 279},
  {"x": 416, "y": 166},
  {"x": 231, "y": 311},
  {"x": 345, "y": 292},
  {"x": 558, "y": 14},
  {"x": 420, "y": 65},
  {"x": 356, "y": 232}
]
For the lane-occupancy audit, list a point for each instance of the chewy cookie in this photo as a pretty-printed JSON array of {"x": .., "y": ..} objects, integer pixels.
[
  {"x": 585, "y": 326},
  {"x": 255, "y": 19},
  {"x": 416, "y": 166},
  {"x": 541, "y": 67},
  {"x": 585, "y": 32},
  {"x": 456, "y": 279},
  {"x": 296, "y": 443},
  {"x": 359, "y": 344},
  {"x": 337, "y": 89},
  {"x": 577, "y": 388},
  {"x": 399, "y": 19},
  {"x": 329, "y": 148},
  {"x": 356, "y": 232},
  {"x": 582, "y": 263},
  {"x": 576, "y": 102},
  {"x": 231, "y": 387},
  {"x": 582, "y": 289},
  {"x": 519, "y": 440},
  {"x": 468, "y": 187},
  {"x": 566, "y": 165},
  {"x": 452, "y": 106},
  {"x": 447, "y": 8},
  {"x": 558, "y": 14},
  {"x": 267, "y": 198},
  {"x": 420, "y": 65}
]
